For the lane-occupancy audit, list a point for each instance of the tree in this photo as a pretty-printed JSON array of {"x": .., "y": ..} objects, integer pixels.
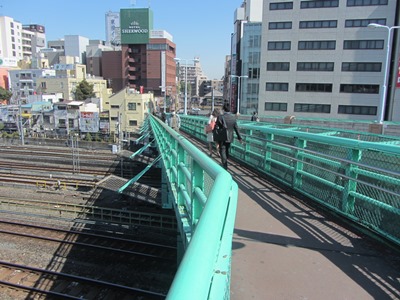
[
  {"x": 84, "y": 90},
  {"x": 5, "y": 94},
  {"x": 188, "y": 88}
]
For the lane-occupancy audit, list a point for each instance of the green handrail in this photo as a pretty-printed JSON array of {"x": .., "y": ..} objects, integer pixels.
[
  {"x": 205, "y": 201},
  {"x": 354, "y": 175}
]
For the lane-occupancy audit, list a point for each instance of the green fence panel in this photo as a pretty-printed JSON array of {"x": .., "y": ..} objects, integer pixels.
[
  {"x": 205, "y": 201},
  {"x": 355, "y": 174}
]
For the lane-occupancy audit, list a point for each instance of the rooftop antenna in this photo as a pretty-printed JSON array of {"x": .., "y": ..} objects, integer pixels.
[{"x": 133, "y": 2}]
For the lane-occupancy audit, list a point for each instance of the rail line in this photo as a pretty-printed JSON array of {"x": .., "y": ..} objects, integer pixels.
[
  {"x": 33, "y": 281},
  {"x": 90, "y": 240}
]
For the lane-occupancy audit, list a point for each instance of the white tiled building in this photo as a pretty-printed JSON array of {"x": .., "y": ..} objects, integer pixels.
[{"x": 319, "y": 59}]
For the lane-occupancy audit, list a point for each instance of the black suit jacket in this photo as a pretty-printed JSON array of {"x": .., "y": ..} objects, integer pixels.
[{"x": 231, "y": 125}]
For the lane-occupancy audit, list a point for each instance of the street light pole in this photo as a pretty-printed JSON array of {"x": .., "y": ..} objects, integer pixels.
[
  {"x": 387, "y": 67},
  {"x": 165, "y": 88},
  {"x": 185, "y": 107},
  {"x": 212, "y": 96},
  {"x": 212, "y": 99},
  {"x": 238, "y": 99},
  {"x": 186, "y": 65}
]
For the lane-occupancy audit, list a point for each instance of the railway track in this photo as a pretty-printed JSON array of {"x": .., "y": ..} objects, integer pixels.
[
  {"x": 30, "y": 283},
  {"x": 96, "y": 252},
  {"x": 56, "y": 152},
  {"x": 42, "y": 181},
  {"x": 7, "y": 166},
  {"x": 94, "y": 242},
  {"x": 76, "y": 240}
]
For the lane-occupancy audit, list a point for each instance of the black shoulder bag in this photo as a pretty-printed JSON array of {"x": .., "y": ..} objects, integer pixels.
[{"x": 220, "y": 130}]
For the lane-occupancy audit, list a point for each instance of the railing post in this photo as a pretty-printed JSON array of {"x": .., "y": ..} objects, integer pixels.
[
  {"x": 351, "y": 184},
  {"x": 181, "y": 178},
  {"x": 197, "y": 181},
  {"x": 247, "y": 147},
  {"x": 298, "y": 163},
  {"x": 165, "y": 195},
  {"x": 268, "y": 152}
]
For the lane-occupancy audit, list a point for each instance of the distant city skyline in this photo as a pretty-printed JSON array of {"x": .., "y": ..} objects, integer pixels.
[{"x": 201, "y": 30}]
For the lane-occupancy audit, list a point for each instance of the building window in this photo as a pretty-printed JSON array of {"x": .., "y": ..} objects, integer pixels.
[
  {"x": 254, "y": 73},
  {"x": 361, "y": 67},
  {"x": 252, "y": 88},
  {"x": 254, "y": 58},
  {"x": 43, "y": 85},
  {"x": 279, "y": 25},
  {"x": 318, "y": 24},
  {"x": 312, "y": 108},
  {"x": 131, "y": 106},
  {"x": 114, "y": 106},
  {"x": 363, "y": 22},
  {"x": 285, "y": 45},
  {"x": 314, "y": 87},
  {"x": 158, "y": 47},
  {"x": 254, "y": 41},
  {"x": 366, "y": 2},
  {"x": 114, "y": 119},
  {"x": 317, "y": 45},
  {"x": 360, "y": 88},
  {"x": 278, "y": 66},
  {"x": 275, "y": 106},
  {"x": 357, "y": 110},
  {"x": 363, "y": 44},
  {"x": 277, "y": 86},
  {"x": 133, "y": 123},
  {"x": 315, "y": 66},
  {"x": 280, "y": 5},
  {"x": 319, "y": 4}
]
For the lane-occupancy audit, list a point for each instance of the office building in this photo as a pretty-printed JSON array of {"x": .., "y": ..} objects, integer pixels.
[
  {"x": 320, "y": 59},
  {"x": 243, "y": 78}
]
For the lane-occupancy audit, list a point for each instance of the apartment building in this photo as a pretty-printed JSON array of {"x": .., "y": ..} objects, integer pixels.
[
  {"x": 320, "y": 59},
  {"x": 67, "y": 78},
  {"x": 10, "y": 39},
  {"x": 23, "y": 83},
  {"x": 191, "y": 72}
]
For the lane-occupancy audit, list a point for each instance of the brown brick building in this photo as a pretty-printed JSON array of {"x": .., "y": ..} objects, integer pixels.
[{"x": 146, "y": 59}]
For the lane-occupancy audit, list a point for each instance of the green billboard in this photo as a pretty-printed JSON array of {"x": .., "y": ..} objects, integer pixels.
[{"x": 136, "y": 24}]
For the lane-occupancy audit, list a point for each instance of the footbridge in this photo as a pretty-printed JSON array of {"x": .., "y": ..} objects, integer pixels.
[{"x": 352, "y": 176}]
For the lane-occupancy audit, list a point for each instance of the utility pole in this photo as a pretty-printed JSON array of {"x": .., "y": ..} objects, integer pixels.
[{"x": 21, "y": 129}]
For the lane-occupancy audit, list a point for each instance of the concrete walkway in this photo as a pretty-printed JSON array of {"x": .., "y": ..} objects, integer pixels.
[{"x": 284, "y": 249}]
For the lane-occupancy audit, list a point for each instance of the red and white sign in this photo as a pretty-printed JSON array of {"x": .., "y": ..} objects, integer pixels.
[{"x": 89, "y": 121}]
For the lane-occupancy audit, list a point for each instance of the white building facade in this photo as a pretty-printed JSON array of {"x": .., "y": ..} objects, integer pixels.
[
  {"x": 319, "y": 59},
  {"x": 10, "y": 40}
]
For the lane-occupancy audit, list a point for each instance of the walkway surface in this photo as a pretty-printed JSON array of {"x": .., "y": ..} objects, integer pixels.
[{"x": 284, "y": 249}]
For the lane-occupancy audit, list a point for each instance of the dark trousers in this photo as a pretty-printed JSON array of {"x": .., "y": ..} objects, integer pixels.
[{"x": 224, "y": 152}]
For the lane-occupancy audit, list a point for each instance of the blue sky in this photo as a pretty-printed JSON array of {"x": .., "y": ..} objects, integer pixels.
[{"x": 199, "y": 28}]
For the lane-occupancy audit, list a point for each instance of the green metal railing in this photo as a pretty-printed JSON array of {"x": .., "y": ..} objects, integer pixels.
[
  {"x": 204, "y": 197},
  {"x": 356, "y": 175}
]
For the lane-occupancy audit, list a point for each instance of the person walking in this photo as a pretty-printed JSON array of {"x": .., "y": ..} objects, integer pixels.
[
  {"x": 209, "y": 130},
  {"x": 175, "y": 121},
  {"x": 254, "y": 117},
  {"x": 227, "y": 120}
]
